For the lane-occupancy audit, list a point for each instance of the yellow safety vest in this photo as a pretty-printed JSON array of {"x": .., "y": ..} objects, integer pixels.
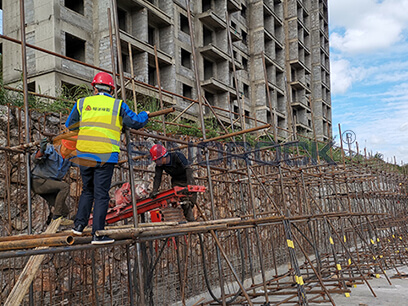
[{"x": 100, "y": 125}]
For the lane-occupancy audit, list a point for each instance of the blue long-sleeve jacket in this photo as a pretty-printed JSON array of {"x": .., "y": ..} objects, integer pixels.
[
  {"x": 51, "y": 165},
  {"x": 129, "y": 119}
]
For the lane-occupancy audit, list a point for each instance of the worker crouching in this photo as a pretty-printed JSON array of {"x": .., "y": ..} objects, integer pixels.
[
  {"x": 47, "y": 180},
  {"x": 176, "y": 165}
]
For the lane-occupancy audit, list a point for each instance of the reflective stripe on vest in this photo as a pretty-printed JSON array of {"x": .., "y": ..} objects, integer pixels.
[{"x": 100, "y": 125}]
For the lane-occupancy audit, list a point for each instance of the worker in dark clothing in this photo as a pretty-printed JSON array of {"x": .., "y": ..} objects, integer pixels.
[
  {"x": 100, "y": 119},
  {"x": 176, "y": 165},
  {"x": 49, "y": 170}
]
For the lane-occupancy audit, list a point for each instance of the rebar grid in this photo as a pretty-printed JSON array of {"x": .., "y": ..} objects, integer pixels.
[
  {"x": 348, "y": 221},
  {"x": 292, "y": 233}
]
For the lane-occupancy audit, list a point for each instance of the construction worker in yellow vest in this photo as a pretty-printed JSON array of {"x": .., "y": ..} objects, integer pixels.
[{"x": 99, "y": 119}]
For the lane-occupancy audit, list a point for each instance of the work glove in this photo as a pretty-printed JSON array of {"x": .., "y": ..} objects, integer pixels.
[
  {"x": 43, "y": 145},
  {"x": 153, "y": 194}
]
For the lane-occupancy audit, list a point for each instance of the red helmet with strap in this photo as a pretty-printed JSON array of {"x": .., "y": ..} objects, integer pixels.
[
  {"x": 103, "y": 78},
  {"x": 158, "y": 151}
]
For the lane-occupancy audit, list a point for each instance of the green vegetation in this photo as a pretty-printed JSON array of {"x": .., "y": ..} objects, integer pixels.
[{"x": 62, "y": 104}]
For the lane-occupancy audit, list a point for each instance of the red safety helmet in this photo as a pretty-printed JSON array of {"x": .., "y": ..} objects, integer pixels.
[
  {"x": 103, "y": 78},
  {"x": 158, "y": 151}
]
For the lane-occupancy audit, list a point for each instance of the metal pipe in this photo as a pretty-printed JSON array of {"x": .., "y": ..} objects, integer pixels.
[
  {"x": 159, "y": 86},
  {"x": 202, "y": 124},
  {"x": 27, "y": 126},
  {"x": 33, "y": 243},
  {"x": 271, "y": 108},
  {"x": 26, "y": 113},
  {"x": 162, "y": 112},
  {"x": 241, "y": 112},
  {"x": 132, "y": 74},
  {"x": 112, "y": 49},
  {"x": 131, "y": 171}
]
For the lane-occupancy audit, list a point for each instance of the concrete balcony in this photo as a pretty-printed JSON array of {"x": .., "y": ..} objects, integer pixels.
[
  {"x": 298, "y": 64},
  {"x": 155, "y": 14},
  {"x": 235, "y": 35},
  {"x": 146, "y": 90},
  {"x": 213, "y": 20},
  {"x": 233, "y": 5},
  {"x": 214, "y": 85},
  {"x": 269, "y": 11},
  {"x": 280, "y": 113},
  {"x": 143, "y": 46},
  {"x": 299, "y": 105},
  {"x": 270, "y": 36},
  {"x": 299, "y": 84},
  {"x": 303, "y": 127},
  {"x": 238, "y": 65},
  {"x": 276, "y": 88},
  {"x": 214, "y": 53},
  {"x": 269, "y": 61}
]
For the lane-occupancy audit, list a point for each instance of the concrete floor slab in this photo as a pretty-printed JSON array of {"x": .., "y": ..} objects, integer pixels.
[{"x": 387, "y": 295}]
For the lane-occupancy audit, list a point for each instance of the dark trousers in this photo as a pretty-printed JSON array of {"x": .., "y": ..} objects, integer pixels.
[
  {"x": 96, "y": 183},
  {"x": 188, "y": 204},
  {"x": 54, "y": 192}
]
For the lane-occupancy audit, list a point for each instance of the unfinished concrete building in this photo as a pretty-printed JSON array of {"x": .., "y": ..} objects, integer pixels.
[{"x": 291, "y": 36}]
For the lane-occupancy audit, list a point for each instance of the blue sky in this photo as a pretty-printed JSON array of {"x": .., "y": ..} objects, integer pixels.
[{"x": 369, "y": 73}]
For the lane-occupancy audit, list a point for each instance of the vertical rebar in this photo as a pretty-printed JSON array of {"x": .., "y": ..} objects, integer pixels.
[
  {"x": 156, "y": 60},
  {"x": 27, "y": 126},
  {"x": 129, "y": 156},
  {"x": 202, "y": 124}
]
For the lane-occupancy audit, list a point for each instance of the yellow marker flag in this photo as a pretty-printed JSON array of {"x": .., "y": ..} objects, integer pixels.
[
  {"x": 290, "y": 243},
  {"x": 338, "y": 266},
  {"x": 347, "y": 294},
  {"x": 331, "y": 240}
]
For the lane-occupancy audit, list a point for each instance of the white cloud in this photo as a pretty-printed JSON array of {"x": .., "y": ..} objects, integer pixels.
[
  {"x": 404, "y": 127},
  {"x": 343, "y": 75},
  {"x": 388, "y": 73},
  {"x": 367, "y": 25},
  {"x": 345, "y": 13}
]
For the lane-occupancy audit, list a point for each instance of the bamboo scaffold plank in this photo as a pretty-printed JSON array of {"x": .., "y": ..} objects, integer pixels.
[{"x": 27, "y": 275}]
